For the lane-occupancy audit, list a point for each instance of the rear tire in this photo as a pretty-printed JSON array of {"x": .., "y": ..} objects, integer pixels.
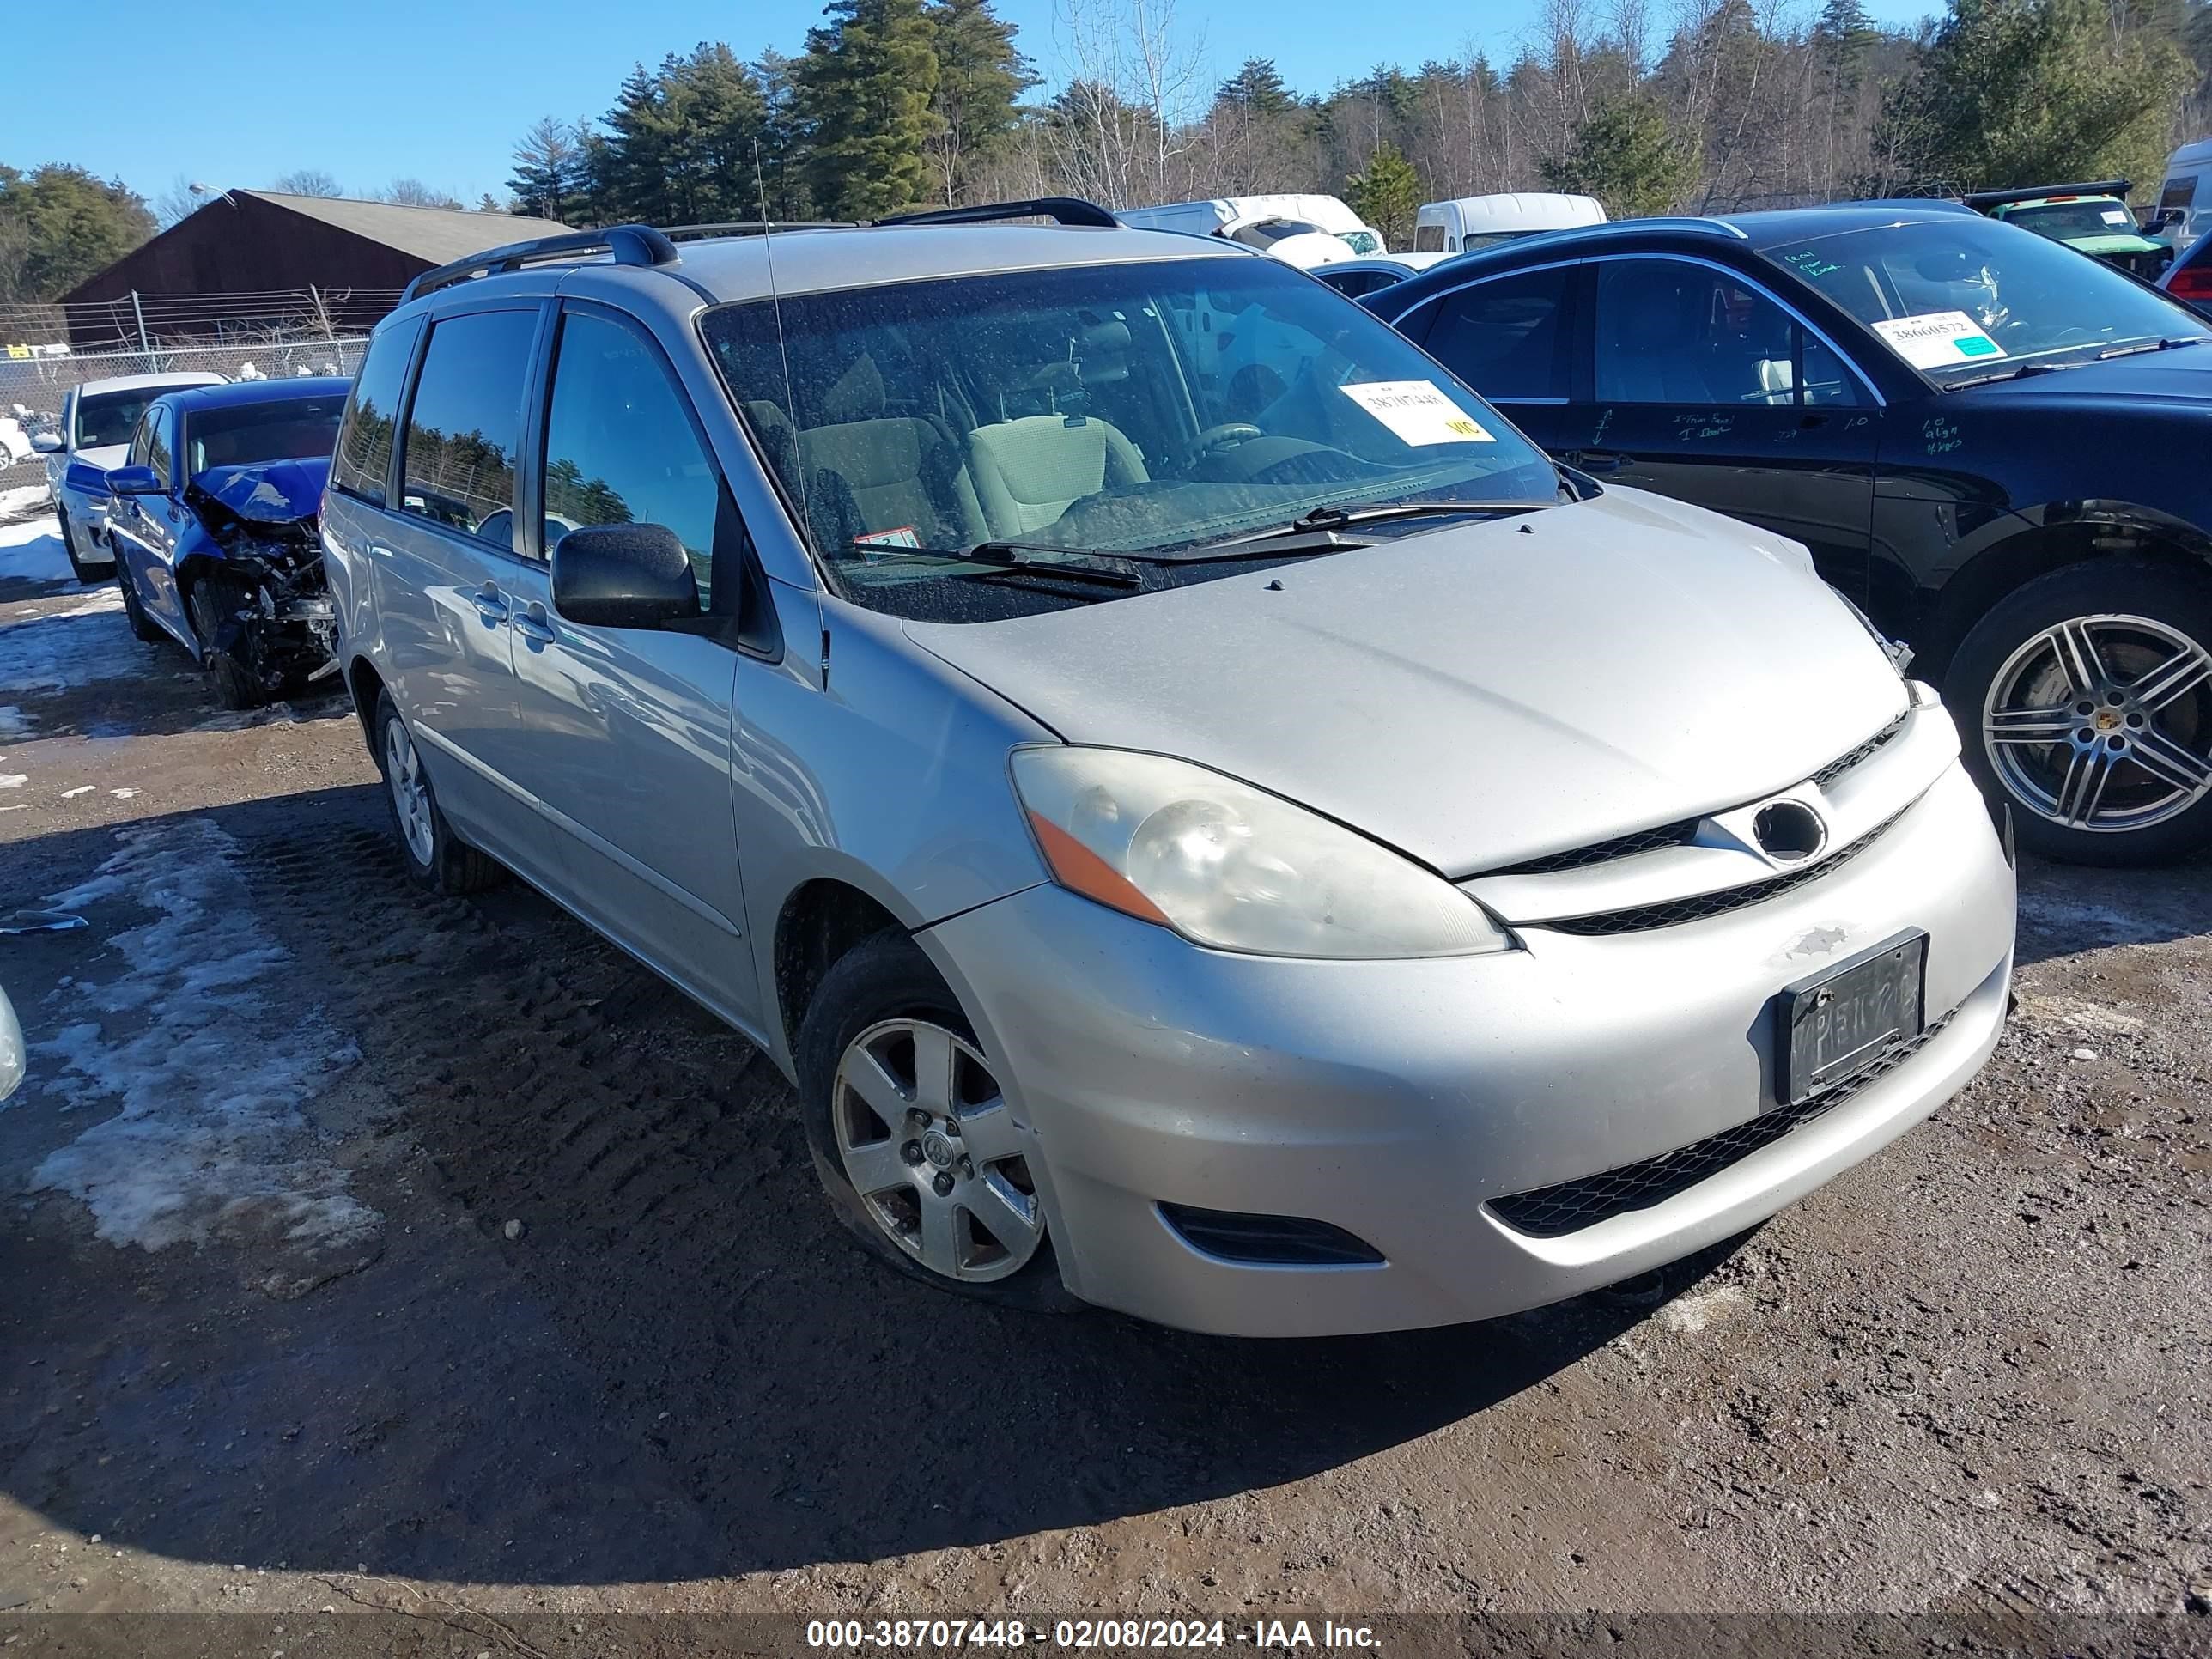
[
  {"x": 942, "y": 1225},
  {"x": 143, "y": 626},
  {"x": 214, "y": 598},
  {"x": 2084, "y": 700},
  {"x": 436, "y": 859}
]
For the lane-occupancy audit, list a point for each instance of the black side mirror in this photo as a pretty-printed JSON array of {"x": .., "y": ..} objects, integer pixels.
[{"x": 623, "y": 575}]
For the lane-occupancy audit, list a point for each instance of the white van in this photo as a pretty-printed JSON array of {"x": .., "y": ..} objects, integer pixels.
[
  {"x": 1473, "y": 221},
  {"x": 1226, "y": 215},
  {"x": 2188, "y": 189}
]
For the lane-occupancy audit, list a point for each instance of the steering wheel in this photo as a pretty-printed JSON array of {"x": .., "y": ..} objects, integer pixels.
[{"x": 1229, "y": 432}]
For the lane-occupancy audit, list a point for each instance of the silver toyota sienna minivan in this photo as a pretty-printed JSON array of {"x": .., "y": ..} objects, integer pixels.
[{"x": 1212, "y": 822}]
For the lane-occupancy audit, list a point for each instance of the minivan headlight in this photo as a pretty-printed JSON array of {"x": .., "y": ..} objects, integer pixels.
[{"x": 1231, "y": 866}]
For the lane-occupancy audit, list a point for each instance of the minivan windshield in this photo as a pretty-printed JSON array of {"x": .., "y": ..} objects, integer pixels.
[
  {"x": 1145, "y": 410},
  {"x": 1964, "y": 298}
]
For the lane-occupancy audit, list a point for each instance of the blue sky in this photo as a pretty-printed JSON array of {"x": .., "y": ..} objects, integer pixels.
[{"x": 235, "y": 92}]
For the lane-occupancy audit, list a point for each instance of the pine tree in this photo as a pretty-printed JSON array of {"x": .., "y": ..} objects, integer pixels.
[
  {"x": 548, "y": 180},
  {"x": 866, "y": 85},
  {"x": 980, "y": 77},
  {"x": 2023, "y": 92},
  {"x": 634, "y": 176},
  {"x": 1257, "y": 87},
  {"x": 783, "y": 141},
  {"x": 1386, "y": 194},
  {"x": 1627, "y": 155}
]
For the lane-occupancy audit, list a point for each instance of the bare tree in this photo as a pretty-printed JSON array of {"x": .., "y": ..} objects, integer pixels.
[
  {"x": 307, "y": 181},
  {"x": 1128, "y": 114}
]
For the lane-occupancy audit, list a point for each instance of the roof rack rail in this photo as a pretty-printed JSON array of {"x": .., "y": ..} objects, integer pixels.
[
  {"x": 1982, "y": 200},
  {"x": 754, "y": 227},
  {"x": 631, "y": 245},
  {"x": 1064, "y": 209}
]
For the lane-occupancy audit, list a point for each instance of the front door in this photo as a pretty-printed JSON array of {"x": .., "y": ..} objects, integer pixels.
[
  {"x": 1508, "y": 339},
  {"x": 146, "y": 528},
  {"x": 629, "y": 733},
  {"x": 450, "y": 590},
  {"x": 1700, "y": 386}
]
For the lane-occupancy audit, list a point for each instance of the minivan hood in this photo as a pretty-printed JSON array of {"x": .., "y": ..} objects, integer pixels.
[{"x": 1478, "y": 695}]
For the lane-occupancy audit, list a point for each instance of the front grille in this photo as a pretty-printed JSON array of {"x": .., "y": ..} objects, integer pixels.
[
  {"x": 1678, "y": 834},
  {"x": 1273, "y": 1241},
  {"x": 1554, "y": 1211},
  {"x": 1603, "y": 852},
  {"x": 1842, "y": 763},
  {"x": 1674, "y": 912}
]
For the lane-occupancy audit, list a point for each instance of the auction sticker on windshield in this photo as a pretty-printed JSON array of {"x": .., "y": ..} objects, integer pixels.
[
  {"x": 1417, "y": 412},
  {"x": 1937, "y": 339}
]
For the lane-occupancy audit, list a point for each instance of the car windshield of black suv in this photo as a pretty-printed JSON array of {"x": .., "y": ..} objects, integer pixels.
[
  {"x": 1965, "y": 299},
  {"x": 1129, "y": 419},
  {"x": 297, "y": 428}
]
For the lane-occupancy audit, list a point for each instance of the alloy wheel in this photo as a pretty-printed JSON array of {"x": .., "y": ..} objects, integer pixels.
[
  {"x": 2102, "y": 723},
  {"x": 927, "y": 1139},
  {"x": 410, "y": 795}
]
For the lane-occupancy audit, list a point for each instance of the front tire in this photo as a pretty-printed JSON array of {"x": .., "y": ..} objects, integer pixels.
[
  {"x": 436, "y": 859},
  {"x": 2085, "y": 700},
  {"x": 913, "y": 1138},
  {"x": 88, "y": 574},
  {"x": 214, "y": 599}
]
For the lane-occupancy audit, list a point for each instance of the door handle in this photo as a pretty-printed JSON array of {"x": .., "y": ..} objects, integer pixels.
[
  {"x": 379, "y": 550},
  {"x": 1597, "y": 460},
  {"x": 489, "y": 605},
  {"x": 535, "y": 629},
  {"x": 1809, "y": 422}
]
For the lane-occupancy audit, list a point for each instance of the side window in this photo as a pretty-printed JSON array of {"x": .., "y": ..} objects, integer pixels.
[
  {"x": 1507, "y": 337},
  {"x": 157, "y": 445},
  {"x": 620, "y": 447},
  {"x": 464, "y": 429},
  {"x": 1672, "y": 332},
  {"x": 363, "y": 459}
]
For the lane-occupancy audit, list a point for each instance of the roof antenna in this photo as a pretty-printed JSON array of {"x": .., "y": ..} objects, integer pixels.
[{"x": 783, "y": 350}]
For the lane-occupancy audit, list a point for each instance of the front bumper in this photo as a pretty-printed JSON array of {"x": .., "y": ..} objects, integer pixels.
[
  {"x": 88, "y": 519},
  {"x": 1394, "y": 1099}
]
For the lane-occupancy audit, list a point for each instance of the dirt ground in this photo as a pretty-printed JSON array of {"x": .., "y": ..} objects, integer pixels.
[{"x": 364, "y": 1249}]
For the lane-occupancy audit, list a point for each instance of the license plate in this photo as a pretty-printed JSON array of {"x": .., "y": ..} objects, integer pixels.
[{"x": 1842, "y": 1020}]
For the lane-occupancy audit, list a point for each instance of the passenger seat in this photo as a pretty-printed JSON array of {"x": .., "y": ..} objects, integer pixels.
[{"x": 1030, "y": 468}]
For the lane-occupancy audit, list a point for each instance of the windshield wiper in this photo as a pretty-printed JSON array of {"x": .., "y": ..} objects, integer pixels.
[
  {"x": 1330, "y": 520},
  {"x": 2133, "y": 349},
  {"x": 2019, "y": 371},
  {"x": 1012, "y": 555}
]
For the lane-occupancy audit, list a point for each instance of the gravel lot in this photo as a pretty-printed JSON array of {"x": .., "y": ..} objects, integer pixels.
[{"x": 366, "y": 1249}]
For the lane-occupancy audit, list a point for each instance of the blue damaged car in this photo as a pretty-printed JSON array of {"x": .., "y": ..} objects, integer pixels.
[{"x": 213, "y": 517}]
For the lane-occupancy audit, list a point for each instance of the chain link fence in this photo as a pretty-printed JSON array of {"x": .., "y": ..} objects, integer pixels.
[{"x": 32, "y": 387}]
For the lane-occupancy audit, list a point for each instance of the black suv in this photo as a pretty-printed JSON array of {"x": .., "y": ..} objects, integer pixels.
[{"x": 1991, "y": 442}]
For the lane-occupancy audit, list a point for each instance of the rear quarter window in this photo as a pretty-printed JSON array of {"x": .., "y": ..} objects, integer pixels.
[{"x": 363, "y": 459}]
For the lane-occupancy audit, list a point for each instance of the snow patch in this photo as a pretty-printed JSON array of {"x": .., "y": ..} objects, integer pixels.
[
  {"x": 14, "y": 779},
  {"x": 81, "y": 789},
  {"x": 1694, "y": 1313},
  {"x": 83, "y": 645},
  {"x": 202, "y": 1041},
  {"x": 25, "y": 499},
  {"x": 2059, "y": 915},
  {"x": 2073, "y": 1014}
]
